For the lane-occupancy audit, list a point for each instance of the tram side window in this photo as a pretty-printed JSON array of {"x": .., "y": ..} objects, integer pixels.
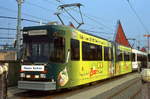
[
  {"x": 144, "y": 61},
  {"x": 149, "y": 57},
  {"x": 57, "y": 50},
  {"x": 107, "y": 54},
  {"x": 99, "y": 52},
  {"x": 126, "y": 56},
  {"x": 119, "y": 56},
  {"x": 91, "y": 51},
  {"x": 139, "y": 57},
  {"x": 75, "y": 49},
  {"x": 144, "y": 58},
  {"x": 133, "y": 57}
]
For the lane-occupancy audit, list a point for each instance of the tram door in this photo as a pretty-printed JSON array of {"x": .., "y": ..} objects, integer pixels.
[
  {"x": 118, "y": 58},
  {"x": 112, "y": 54},
  {"x": 108, "y": 61}
]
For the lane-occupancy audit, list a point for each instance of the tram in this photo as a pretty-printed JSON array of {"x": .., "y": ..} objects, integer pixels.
[
  {"x": 139, "y": 59},
  {"x": 57, "y": 56}
]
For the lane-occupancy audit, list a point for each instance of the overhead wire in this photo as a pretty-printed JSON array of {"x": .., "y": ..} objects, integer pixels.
[
  {"x": 35, "y": 5},
  {"x": 140, "y": 20},
  {"x": 50, "y": 2},
  {"x": 71, "y": 9},
  {"x": 97, "y": 31},
  {"x": 89, "y": 24},
  {"x": 47, "y": 10},
  {"x": 14, "y": 11},
  {"x": 61, "y": 3},
  {"x": 92, "y": 25},
  {"x": 3, "y": 28},
  {"x": 23, "y": 19},
  {"x": 7, "y": 38},
  {"x": 90, "y": 18},
  {"x": 95, "y": 20},
  {"x": 5, "y": 45},
  {"x": 7, "y": 33},
  {"x": 138, "y": 17}
]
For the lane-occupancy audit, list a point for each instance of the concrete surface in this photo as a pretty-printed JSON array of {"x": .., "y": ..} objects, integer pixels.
[{"x": 126, "y": 87}]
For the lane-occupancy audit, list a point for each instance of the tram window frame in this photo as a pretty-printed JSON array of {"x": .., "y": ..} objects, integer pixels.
[
  {"x": 75, "y": 49},
  {"x": 91, "y": 52}
]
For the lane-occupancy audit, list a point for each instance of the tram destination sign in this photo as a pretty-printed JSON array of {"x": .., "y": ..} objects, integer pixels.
[
  {"x": 32, "y": 67},
  {"x": 37, "y": 32}
]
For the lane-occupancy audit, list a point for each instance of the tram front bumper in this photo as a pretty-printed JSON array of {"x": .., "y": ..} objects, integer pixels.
[{"x": 33, "y": 85}]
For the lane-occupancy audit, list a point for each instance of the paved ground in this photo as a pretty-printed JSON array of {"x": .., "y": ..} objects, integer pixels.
[
  {"x": 146, "y": 91},
  {"x": 86, "y": 91},
  {"x": 12, "y": 91}
]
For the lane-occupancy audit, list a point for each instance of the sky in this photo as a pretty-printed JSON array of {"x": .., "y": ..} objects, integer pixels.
[{"x": 100, "y": 17}]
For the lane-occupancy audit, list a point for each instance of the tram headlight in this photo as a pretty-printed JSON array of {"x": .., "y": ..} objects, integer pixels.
[
  {"x": 1, "y": 70},
  {"x": 22, "y": 74},
  {"x": 22, "y": 60},
  {"x": 42, "y": 75},
  {"x": 28, "y": 76},
  {"x": 36, "y": 76},
  {"x": 5, "y": 68}
]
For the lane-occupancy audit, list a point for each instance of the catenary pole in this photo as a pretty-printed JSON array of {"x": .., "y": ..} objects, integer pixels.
[{"x": 18, "y": 36}]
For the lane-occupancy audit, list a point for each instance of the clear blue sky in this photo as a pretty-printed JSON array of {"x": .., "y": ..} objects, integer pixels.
[{"x": 105, "y": 12}]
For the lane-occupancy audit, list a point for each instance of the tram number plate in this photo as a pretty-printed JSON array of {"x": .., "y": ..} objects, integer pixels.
[{"x": 32, "y": 67}]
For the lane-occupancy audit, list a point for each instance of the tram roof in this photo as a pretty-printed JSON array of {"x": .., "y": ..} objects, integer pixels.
[
  {"x": 63, "y": 26},
  {"x": 42, "y": 27},
  {"x": 138, "y": 52}
]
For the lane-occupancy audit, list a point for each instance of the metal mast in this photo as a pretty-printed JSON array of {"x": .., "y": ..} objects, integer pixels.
[
  {"x": 147, "y": 42},
  {"x": 18, "y": 36}
]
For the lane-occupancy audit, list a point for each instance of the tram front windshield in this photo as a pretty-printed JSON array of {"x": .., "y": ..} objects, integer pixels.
[{"x": 44, "y": 49}]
